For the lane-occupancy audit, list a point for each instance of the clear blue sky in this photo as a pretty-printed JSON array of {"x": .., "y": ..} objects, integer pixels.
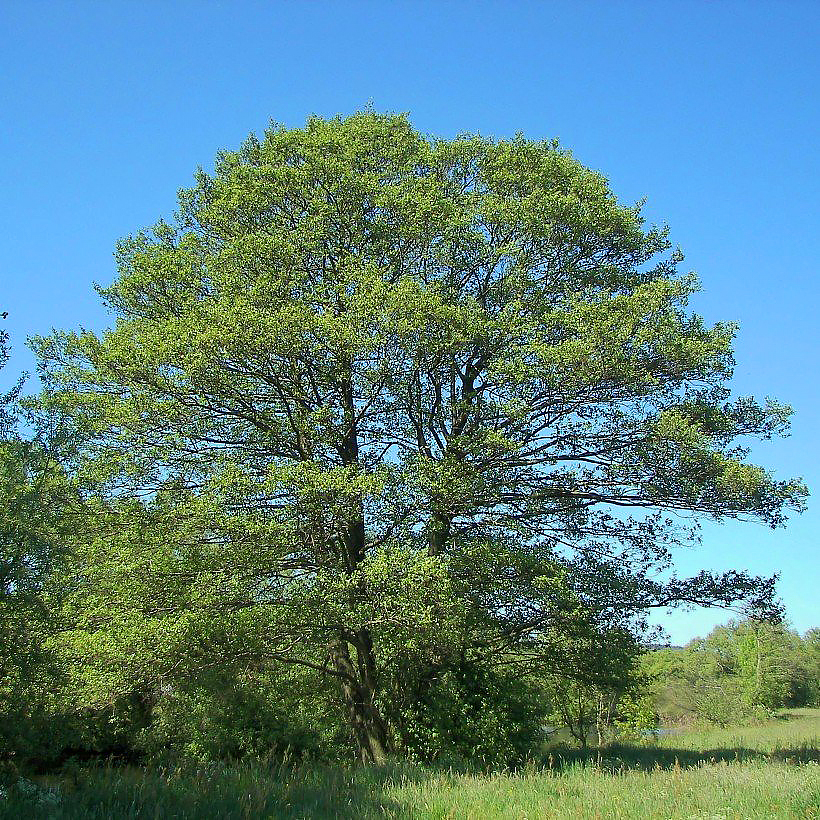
[{"x": 707, "y": 109}]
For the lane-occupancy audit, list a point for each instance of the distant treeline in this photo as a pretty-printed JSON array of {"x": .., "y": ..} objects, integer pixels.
[{"x": 738, "y": 670}]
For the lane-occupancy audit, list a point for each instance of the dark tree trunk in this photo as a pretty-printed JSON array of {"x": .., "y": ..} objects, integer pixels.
[
  {"x": 358, "y": 681},
  {"x": 440, "y": 526},
  {"x": 369, "y": 728}
]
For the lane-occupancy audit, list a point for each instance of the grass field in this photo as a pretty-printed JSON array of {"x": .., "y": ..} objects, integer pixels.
[{"x": 767, "y": 771}]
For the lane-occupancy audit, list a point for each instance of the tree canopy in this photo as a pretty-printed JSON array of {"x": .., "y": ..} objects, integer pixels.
[{"x": 392, "y": 408}]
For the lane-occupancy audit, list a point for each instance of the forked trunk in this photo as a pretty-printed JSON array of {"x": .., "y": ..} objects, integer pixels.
[{"x": 369, "y": 728}]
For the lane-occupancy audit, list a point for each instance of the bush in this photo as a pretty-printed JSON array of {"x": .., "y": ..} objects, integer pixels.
[
  {"x": 472, "y": 713},
  {"x": 232, "y": 719}
]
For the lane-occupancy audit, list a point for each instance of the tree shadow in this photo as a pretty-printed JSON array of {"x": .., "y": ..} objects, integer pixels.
[
  {"x": 350, "y": 792},
  {"x": 616, "y": 757},
  {"x": 226, "y": 792},
  {"x": 314, "y": 790}
]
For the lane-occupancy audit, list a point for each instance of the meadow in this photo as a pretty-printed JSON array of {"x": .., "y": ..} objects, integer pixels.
[{"x": 771, "y": 770}]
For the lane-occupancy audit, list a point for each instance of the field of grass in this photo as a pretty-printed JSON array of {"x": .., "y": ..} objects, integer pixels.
[{"x": 767, "y": 771}]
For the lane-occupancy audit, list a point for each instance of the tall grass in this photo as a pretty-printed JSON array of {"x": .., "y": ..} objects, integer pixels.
[{"x": 769, "y": 771}]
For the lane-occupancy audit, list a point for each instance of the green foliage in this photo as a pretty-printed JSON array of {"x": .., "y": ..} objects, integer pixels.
[
  {"x": 487, "y": 716},
  {"x": 227, "y": 718},
  {"x": 376, "y": 403},
  {"x": 741, "y": 671},
  {"x": 635, "y": 714},
  {"x": 36, "y": 496}
]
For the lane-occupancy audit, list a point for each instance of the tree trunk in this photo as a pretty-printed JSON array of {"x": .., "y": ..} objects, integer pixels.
[
  {"x": 440, "y": 525},
  {"x": 358, "y": 680},
  {"x": 369, "y": 728}
]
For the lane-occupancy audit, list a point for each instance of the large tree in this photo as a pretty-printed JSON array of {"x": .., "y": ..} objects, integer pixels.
[{"x": 400, "y": 401}]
